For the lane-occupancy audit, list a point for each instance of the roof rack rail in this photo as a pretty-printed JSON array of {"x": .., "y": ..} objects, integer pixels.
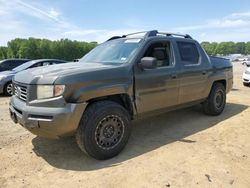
[
  {"x": 114, "y": 37},
  {"x": 176, "y": 34},
  {"x": 153, "y": 33},
  {"x": 135, "y": 33}
]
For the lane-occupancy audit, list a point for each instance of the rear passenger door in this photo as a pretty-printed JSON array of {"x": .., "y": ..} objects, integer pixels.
[{"x": 194, "y": 72}]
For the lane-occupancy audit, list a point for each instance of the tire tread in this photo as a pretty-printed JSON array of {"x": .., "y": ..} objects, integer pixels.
[
  {"x": 92, "y": 111},
  {"x": 208, "y": 105}
]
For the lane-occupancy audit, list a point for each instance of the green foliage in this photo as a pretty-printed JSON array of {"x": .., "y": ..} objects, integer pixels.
[
  {"x": 240, "y": 47},
  {"x": 226, "y": 48},
  {"x": 33, "y": 48},
  {"x": 3, "y": 52},
  {"x": 247, "y": 48},
  {"x": 210, "y": 47},
  {"x": 14, "y": 46},
  {"x": 68, "y": 50},
  {"x": 29, "y": 49}
]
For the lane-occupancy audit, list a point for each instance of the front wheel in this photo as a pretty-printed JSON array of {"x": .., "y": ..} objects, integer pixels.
[
  {"x": 8, "y": 89},
  {"x": 104, "y": 130},
  {"x": 216, "y": 101}
]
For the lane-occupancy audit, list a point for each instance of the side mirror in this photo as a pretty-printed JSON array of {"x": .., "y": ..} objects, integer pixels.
[{"x": 148, "y": 63}]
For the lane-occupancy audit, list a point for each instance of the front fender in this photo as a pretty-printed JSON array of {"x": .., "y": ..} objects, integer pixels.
[{"x": 101, "y": 90}]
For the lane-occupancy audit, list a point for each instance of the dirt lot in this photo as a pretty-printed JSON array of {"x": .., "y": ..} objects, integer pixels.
[{"x": 184, "y": 148}]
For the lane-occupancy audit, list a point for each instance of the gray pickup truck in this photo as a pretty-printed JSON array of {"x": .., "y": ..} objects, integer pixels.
[{"x": 123, "y": 79}]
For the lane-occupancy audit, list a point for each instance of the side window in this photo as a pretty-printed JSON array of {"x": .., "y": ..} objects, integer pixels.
[
  {"x": 162, "y": 52},
  {"x": 50, "y": 63},
  {"x": 12, "y": 64},
  {"x": 20, "y": 62},
  {"x": 54, "y": 62},
  {"x": 189, "y": 53},
  {"x": 46, "y": 63},
  {"x": 36, "y": 65},
  {"x": 5, "y": 64}
]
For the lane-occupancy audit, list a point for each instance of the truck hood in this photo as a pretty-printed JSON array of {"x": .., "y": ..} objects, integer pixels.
[{"x": 48, "y": 74}]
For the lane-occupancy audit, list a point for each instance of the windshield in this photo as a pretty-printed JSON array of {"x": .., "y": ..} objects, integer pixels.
[
  {"x": 114, "y": 51},
  {"x": 23, "y": 66}
]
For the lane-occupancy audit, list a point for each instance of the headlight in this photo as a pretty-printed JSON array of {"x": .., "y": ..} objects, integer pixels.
[
  {"x": 48, "y": 91},
  {"x": 2, "y": 77},
  {"x": 247, "y": 72}
]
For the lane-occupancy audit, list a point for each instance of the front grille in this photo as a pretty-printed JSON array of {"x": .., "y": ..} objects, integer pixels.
[
  {"x": 246, "y": 80},
  {"x": 20, "y": 91}
]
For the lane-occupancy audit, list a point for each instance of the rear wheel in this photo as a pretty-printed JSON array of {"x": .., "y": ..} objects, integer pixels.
[
  {"x": 8, "y": 89},
  {"x": 104, "y": 130},
  {"x": 246, "y": 84},
  {"x": 215, "y": 103}
]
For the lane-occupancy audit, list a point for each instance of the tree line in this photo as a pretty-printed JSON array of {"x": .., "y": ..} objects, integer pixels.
[
  {"x": 33, "y": 48},
  {"x": 68, "y": 50},
  {"x": 226, "y": 48}
]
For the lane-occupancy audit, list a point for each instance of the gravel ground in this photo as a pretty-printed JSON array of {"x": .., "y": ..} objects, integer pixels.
[{"x": 184, "y": 148}]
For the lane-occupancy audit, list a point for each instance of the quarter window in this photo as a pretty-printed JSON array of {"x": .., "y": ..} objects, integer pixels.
[{"x": 188, "y": 52}]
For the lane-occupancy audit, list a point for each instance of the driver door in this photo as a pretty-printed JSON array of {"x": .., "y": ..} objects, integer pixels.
[{"x": 157, "y": 88}]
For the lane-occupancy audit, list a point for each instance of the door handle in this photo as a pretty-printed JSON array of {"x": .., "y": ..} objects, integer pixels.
[{"x": 204, "y": 72}]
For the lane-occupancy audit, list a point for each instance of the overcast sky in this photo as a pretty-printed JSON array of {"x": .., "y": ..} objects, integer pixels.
[{"x": 93, "y": 20}]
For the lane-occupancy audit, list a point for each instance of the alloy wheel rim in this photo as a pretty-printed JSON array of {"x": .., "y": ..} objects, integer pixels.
[{"x": 9, "y": 89}]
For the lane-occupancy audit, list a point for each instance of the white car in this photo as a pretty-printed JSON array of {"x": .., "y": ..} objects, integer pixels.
[
  {"x": 246, "y": 62},
  {"x": 246, "y": 77}
]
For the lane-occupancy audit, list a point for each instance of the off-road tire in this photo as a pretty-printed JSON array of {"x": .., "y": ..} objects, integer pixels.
[
  {"x": 86, "y": 135},
  {"x": 216, "y": 101}
]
